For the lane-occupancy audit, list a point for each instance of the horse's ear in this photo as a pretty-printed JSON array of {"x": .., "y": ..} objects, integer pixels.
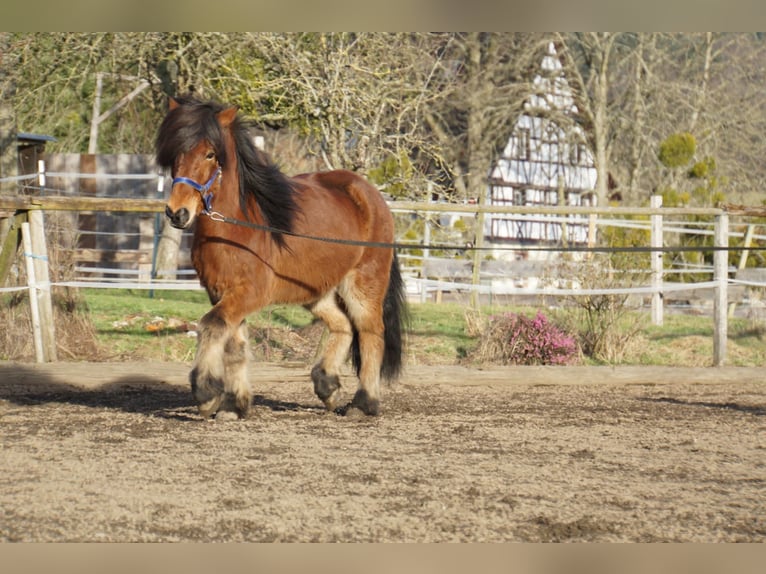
[
  {"x": 227, "y": 116},
  {"x": 172, "y": 103}
]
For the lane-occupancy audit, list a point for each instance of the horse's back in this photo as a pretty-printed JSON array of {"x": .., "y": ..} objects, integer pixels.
[
  {"x": 337, "y": 179},
  {"x": 344, "y": 195}
]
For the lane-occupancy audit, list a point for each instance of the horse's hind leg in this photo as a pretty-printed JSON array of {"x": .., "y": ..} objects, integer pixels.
[
  {"x": 367, "y": 396},
  {"x": 325, "y": 373},
  {"x": 366, "y": 314}
]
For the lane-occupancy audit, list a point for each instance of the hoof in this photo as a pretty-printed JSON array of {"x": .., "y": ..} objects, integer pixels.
[
  {"x": 205, "y": 389},
  {"x": 226, "y": 416},
  {"x": 237, "y": 405},
  {"x": 352, "y": 413},
  {"x": 362, "y": 403},
  {"x": 209, "y": 408},
  {"x": 326, "y": 387}
]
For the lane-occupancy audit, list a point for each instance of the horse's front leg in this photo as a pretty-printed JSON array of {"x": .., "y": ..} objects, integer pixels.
[
  {"x": 207, "y": 374},
  {"x": 219, "y": 376},
  {"x": 237, "y": 392}
]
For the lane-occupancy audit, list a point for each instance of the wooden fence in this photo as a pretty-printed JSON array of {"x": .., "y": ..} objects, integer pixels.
[{"x": 25, "y": 211}]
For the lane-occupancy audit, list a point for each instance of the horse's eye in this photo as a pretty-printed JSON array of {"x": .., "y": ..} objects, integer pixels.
[{"x": 210, "y": 155}]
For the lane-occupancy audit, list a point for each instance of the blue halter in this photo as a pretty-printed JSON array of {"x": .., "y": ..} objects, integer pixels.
[{"x": 207, "y": 198}]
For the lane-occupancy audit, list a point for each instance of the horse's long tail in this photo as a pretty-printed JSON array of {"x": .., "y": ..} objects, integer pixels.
[{"x": 395, "y": 325}]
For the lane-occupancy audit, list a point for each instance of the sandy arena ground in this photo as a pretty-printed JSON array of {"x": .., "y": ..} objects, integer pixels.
[{"x": 117, "y": 452}]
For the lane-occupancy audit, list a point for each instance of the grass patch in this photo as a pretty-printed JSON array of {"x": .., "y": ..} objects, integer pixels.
[
  {"x": 107, "y": 306},
  {"x": 687, "y": 340},
  {"x": 131, "y": 325},
  {"x": 161, "y": 325}
]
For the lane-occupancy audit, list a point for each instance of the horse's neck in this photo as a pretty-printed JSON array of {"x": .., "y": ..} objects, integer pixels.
[{"x": 212, "y": 234}]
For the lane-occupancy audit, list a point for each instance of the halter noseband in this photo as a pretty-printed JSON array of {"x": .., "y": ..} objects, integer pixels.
[{"x": 207, "y": 198}]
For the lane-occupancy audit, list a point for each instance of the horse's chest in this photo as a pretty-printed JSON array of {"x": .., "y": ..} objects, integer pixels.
[{"x": 223, "y": 262}]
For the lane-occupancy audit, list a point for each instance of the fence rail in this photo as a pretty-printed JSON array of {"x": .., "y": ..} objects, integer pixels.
[{"x": 68, "y": 203}]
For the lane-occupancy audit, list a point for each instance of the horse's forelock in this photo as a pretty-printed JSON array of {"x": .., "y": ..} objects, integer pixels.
[{"x": 185, "y": 126}]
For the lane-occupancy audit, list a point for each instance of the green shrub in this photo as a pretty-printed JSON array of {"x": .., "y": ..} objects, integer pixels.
[{"x": 677, "y": 150}]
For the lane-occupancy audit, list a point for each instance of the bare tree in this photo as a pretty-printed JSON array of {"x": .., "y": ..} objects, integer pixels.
[
  {"x": 485, "y": 79},
  {"x": 727, "y": 117},
  {"x": 636, "y": 89},
  {"x": 484, "y": 90},
  {"x": 590, "y": 57},
  {"x": 357, "y": 98},
  {"x": 436, "y": 105}
]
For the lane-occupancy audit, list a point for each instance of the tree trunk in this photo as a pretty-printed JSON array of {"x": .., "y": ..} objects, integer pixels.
[
  {"x": 477, "y": 161},
  {"x": 8, "y": 148},
  {"x": 168, "y": 248},
  {"x": 601, "y": 121}
]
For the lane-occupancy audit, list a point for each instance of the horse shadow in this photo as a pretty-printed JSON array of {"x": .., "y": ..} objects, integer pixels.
[
  {"x": 755, "y": 410},
  {"x": 136, "y": 393}
]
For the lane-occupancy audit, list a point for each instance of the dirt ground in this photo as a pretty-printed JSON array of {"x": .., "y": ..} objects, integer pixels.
[{"x": 116, "y": 452}]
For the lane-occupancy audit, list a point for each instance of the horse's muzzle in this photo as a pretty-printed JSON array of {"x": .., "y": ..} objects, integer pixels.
[{"x": 179, "y": 219}]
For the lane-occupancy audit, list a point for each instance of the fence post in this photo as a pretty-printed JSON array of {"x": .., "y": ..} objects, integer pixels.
[
  {"x": 146, "y": 241},
  {"x": 477, "y": 256},
  {"x": 41, "y": 173},
  {"x": 750, "y": 231},
  {"x": 10, "y": 244},
  {"x": 426, "y": 241},
  {"x": 721, "y": 277},
  {"x": 32, "y": 282},
  {"x": 39, "y": 257},
  {"x": 656, "y": 241},
  {"x": 592, "y": 220}
]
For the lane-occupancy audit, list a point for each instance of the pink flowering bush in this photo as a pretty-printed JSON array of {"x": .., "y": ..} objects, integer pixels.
[{"x": 514, "y": 339}]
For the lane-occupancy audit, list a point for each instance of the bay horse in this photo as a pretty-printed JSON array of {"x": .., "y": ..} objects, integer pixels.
[{"x": 260, "y": 255}]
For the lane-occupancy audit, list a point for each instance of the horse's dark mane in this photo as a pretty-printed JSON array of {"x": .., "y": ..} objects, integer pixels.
[{"x": 194, "y": 120}]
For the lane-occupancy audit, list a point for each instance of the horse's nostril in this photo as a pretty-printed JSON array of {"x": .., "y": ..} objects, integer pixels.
[
  {"x": 183, "y": 216},
  {"x": 178, "y": 218}
]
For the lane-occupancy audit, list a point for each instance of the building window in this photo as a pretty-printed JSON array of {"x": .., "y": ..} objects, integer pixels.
[
  {"x": 524, "y": 144},
  {"x": 575, "y": 153}
]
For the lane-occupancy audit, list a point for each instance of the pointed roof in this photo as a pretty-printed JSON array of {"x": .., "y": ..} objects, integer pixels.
[{"x": 552, "y": 91}]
